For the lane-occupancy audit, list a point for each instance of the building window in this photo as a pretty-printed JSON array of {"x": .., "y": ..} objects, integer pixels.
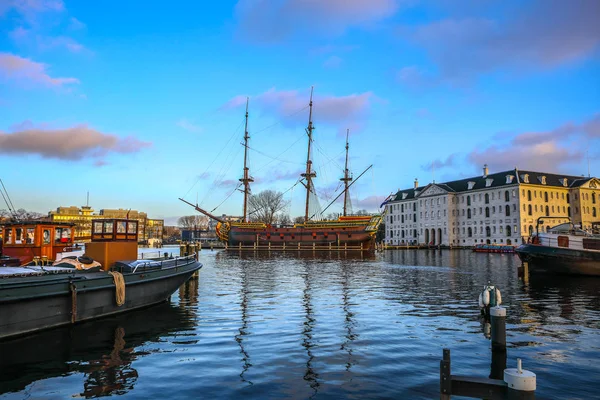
[
  {"x": 470, "y": 232},
  {"x": 568, "y": 198},
  {"x": 508, "y": 230},
  {"x": 594, "y": 212},
  {"x": 501, "y": 229},
  {"x": 529, "y": 195},
  {"x": 487, "y": 212},
  {"x": 507, "y": 209},
  {"x": 468, "y": 213},
  {"x": 488, "y": 231},
  {"x": 468, "y": 200},
  {"x": 547, "y": 211},
  {"x": 546, "y": 197},
  {"x": 487, "y": 198},
  {"x": 593, "y": 198},
  {"x": 529, "y": 210}
]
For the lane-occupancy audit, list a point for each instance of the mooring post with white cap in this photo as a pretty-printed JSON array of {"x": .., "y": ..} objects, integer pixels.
[
  {"x": 521, "y": 383},
  {"x": 498, "y": 322}
]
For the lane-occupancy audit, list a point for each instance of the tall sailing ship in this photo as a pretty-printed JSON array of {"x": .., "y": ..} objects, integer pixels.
[{"x": 347, "y": 232}]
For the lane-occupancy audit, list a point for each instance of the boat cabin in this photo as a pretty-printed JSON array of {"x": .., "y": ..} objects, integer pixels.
[
  {"x": 36, "y": 240},
  {"x": 113, "y": 240}
]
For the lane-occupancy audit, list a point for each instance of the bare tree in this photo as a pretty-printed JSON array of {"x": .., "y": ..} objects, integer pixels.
[
  {"x": 284, "y": 219},
  {"x": 362, "y": 212},
  {"x": 265, "y": 205},
  {"x": 193, "y": 222},
  {"x": 20, "y": 215},
  {"x": 299, "y": 220}
]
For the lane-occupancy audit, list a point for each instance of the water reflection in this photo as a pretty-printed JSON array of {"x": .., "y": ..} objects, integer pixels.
[
  {"x": 102, "y": 350},
  {"x": 243, "y": 331},
  {"x": 349, "y": 321},
  {"x": 307, "y": 342}
]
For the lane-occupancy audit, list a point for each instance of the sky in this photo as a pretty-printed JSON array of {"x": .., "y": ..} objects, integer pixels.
[{"x": 142, "y": 103}]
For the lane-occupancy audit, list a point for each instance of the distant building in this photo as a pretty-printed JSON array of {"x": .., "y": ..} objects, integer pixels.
[
  {"x": 149, "y": 230},
  {"x": 500, "y": 208}
]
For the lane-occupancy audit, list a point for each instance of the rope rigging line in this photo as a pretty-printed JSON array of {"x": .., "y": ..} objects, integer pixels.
[
  {"x": 215, "y": 159},
  {"x": 280, "y": 122},
  {"x": 219, "y": 179},
  {"x": 228, "y": 196},
  {"x": 285, "y": 151},
  {"x": 278, "y": 197},
  {"x": 274, "y": 158}
]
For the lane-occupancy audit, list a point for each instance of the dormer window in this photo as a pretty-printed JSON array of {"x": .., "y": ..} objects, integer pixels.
[
  {"x": 509, "y": 179},
  {"x": 525, "y": 178},
  {"x": 470, "y": 185},
  {"x": 417, "y": 193},
  {"x": 542, "y": 179},
  {"x": 565, "y": 182},
  {"x": 488, "y": 182},
  {"x": 404, "y": 195}
]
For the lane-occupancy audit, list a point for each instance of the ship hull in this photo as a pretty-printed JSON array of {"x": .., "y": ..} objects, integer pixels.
[
  {"x": 561, "y": 261},
  {"x": 32, "y": 303},
  {"x": 351, "y": 237}
]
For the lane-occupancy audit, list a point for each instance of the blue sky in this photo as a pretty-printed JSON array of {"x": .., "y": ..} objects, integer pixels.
[{"x": 140, "y": 105}]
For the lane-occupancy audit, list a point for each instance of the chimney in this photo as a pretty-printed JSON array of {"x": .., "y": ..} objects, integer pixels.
[
  {"x": 485, "y": 170},
  {"x": 416, "y": 183}
]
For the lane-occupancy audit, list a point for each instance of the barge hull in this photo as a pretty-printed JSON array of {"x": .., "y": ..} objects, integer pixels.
[
  {"x": 28, "y": 305},
  {"x": 562, "y": 261}
]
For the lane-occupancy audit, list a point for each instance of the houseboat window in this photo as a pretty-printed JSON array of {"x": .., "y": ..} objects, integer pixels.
[
  {"x": 46, "y": 236},
  {"x": 18, "y": 235},
  {"x": 8, "y": 236},
  {"x": 108, "y": 226},
  {"x": 62, "y": 235},
  {"x": 132, "y": 227},
  {"x": 121, "y": 226},
  {"x": 97, "y": 227},
  {"x": 30, "y": 235}
]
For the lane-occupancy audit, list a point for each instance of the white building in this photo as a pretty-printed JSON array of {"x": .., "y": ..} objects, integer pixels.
[{"x": 500, "y": 208}]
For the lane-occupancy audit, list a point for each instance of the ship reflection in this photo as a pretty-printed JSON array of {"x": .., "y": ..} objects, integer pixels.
[
  {"x": 243, "y": 331},
  {"x": 349, "y": 322},
  {"x": 103, "y": 351},
  {"x": 307, "y": 339}
]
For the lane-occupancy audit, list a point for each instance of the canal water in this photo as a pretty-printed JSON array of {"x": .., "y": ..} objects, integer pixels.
[{"x": 327, "y": 326}]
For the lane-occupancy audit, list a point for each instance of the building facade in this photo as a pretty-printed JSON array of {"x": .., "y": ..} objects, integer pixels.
[
  {"x": 149, "y": 230},
  {"x": 501, "y": 208}
]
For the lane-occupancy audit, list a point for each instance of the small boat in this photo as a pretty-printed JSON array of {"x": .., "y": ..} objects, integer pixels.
[
  {"x": 493, "y": 248},
  {"x": 563, "y": 249},
  {"x": 50, "y": 288}
]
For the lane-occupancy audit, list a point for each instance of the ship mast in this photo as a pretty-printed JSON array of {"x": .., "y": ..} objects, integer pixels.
[
  {"x": 346, "y": 177},
  {"x": 246, "y": 179},
  {"x": 309, "y": 174}
]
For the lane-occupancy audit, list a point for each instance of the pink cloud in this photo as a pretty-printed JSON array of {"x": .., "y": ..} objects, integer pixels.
[
  {"x": 22, "y": 69},
  {"x": 541, "y": 35},
  {"x": 542, "y": 151},
  {"x": 289, "y": 104},
  {"x": 271, "y": 22},
  {"x": 369, "y": 203},
  {"x": 76, "y": 143}
]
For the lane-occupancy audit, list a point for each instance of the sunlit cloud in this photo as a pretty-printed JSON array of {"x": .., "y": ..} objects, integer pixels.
[
  {"x": 549, "y": 150},
  {"x": 76, "y": 143},
  {"x": 266, "y": 21},
  {"x": 544, "y": 34},
  {"x": 289, "y": 106},
  {"x": 18, "y": 69}
]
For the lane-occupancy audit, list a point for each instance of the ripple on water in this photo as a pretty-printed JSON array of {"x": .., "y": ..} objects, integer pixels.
[{"x": 293, "y": 325}]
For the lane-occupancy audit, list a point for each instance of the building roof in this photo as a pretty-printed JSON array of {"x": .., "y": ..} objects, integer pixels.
[{"x": 495, "y": 180}]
